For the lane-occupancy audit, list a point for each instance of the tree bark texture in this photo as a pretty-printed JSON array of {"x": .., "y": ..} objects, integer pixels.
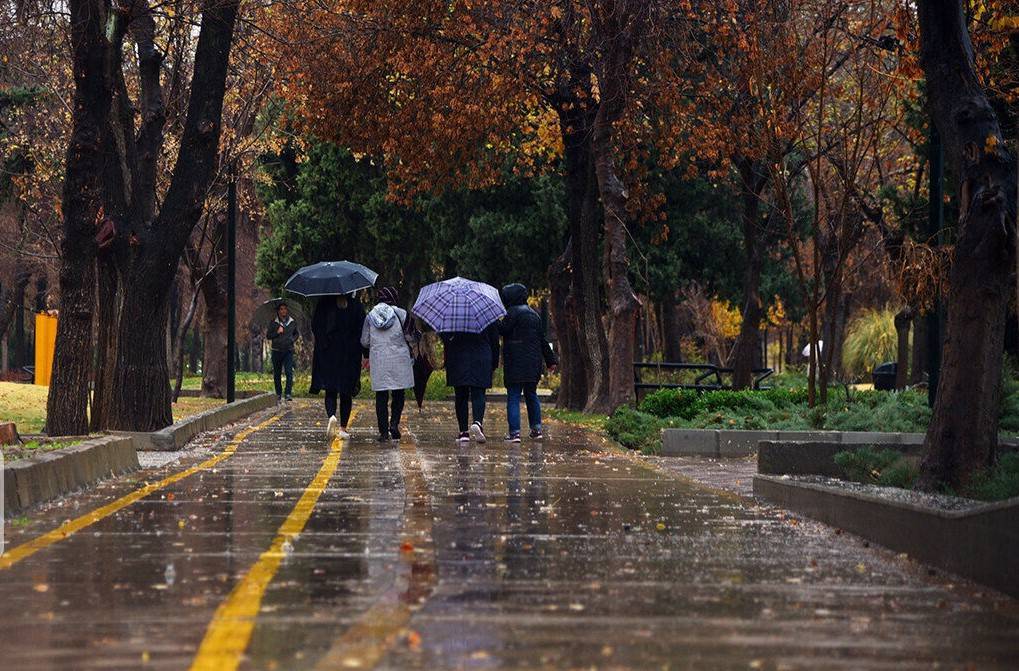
[
  {"x": 745, "y": 352},
  {"x": 962, "y": 436},
  {"x": 67, "y": 402}
]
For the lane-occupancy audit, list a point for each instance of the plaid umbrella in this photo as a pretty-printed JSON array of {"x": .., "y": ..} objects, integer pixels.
[
  {"x": 460, "y": 305},
  {"x": 330, "y": 278}
]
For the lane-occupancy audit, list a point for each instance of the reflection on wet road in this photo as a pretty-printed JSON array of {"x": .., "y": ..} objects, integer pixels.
[{"x": 431, "y": 555}]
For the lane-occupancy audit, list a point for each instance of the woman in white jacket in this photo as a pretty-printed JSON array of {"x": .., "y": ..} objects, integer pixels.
[{"x": 389, "y": 354}]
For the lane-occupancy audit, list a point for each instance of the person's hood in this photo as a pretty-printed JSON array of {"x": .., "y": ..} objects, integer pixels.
[
  {"x": 382, "y": 316},
  {"x": 514, "y": 294}
]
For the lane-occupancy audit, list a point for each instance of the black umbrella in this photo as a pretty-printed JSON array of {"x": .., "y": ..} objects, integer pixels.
[
  {"x": 266, "y": 312},
  {"x": 331, "y": 278}
]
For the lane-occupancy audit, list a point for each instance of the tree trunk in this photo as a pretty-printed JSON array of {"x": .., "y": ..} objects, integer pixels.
[
  {"x": 745, "y": 352},
  {"x": 620, "y": 26},
  {"x": 214, "y": 364},
  {"x": 12, "y": 298},
  {"x": 963, "y": 433},
  {"x": 106, "y": 344},
  {"x": 672, "y": 330},
  {"x": 149, "y": 266},
  {"x": 585, "y": 300},
  {"x": 903, "y": 319},
  {"x": 918, "y": 360},
  {"x": 67, "y": 403},
  {"x": 573, "y": 381}
]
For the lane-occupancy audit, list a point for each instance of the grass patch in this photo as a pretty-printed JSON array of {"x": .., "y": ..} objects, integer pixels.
[
  {"x": 585, "y": 419},
  {"x": 23, "y": 404},
  {"x": 877, "y": 467},
  {"x": 997, "y": 483},
  {"x": 33, "y": 448}
]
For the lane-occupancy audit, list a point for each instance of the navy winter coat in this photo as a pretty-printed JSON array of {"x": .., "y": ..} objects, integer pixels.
[
  {"x": 471, "y": 357},
  {"x": 336, "y": 362},
  {"x": 526, "y": 352}
]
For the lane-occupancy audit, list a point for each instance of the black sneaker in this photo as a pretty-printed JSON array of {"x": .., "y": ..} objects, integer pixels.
[
  {"x": 477, "y": 433},
  {"x": 289, "y": 398},
  {"x": 465, "y": 437},
  {"x": 513, "y": 437},
  {"x": 395, "y": 433},
  {"x": 536, "y": 434},
  {"x": 383, "y": 438}
]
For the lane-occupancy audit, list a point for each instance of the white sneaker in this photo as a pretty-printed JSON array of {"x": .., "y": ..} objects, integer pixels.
[
  {"x": 331, "y": 427},
  {"x": 477, "y": 433},
  {"x": 343, "y": 434}
]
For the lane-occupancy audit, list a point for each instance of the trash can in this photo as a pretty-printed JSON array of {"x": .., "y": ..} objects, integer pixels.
[{"x": 884, "y": 376}]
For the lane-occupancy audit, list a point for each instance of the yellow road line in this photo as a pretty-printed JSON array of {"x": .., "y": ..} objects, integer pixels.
[
  {"x": 28, "y": 549},
  {"x": 228, "y": 634}
]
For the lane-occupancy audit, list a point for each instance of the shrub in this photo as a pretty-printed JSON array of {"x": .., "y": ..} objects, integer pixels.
[
  {"x": 634, "y": 429},
  {"x": 997, "y": 483},
  {"x": 671, "y": 403},
  {"x": 870, "y": 340},
  {"x": 871, "y": 466}
]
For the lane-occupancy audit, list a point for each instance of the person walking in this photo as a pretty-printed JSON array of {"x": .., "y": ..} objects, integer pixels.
[
  {"x": 470, "y": 360},
  {"x": 390, "y": 359},
  {"x": 282, "y": 333},
  {"x": 336, "y": 361},
  {"x": 526, "y": 352}
]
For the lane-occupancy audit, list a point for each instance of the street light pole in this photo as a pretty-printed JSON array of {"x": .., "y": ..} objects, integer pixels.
[
  {"x": 935, "y": 224},
  {"x": 231, "y": 282}
]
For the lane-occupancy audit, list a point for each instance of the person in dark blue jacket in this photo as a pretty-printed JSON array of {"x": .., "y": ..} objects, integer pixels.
[
  {"x": 526, "y": 353},
  {"x": 470, "y": 360}
]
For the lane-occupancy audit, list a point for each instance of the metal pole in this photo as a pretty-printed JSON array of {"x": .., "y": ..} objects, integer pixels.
[
  {"x": 231, "y": 282},
  {"x": 935, "y": 225}
]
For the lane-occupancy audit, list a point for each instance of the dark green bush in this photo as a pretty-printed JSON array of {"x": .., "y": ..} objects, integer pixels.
[
  {"x": 870, "y": 466},
  {"x": 672, "y": 403},
  {"x": 634, "y": 429},
  {"x": 997, "y": 483}
]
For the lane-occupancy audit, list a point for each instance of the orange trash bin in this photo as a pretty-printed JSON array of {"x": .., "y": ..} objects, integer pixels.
[{"x": 45, "y": 345}]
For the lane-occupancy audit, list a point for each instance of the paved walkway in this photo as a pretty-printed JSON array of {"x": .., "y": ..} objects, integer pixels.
[{"x": 276, "y": 550}]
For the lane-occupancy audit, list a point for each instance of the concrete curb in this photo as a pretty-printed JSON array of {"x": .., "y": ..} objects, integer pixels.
[
  {"x": 981, "y": 543},
  {"x": 28, "y": 482},
  {"x": 176, "y": 436},
  {"x": 51, "y": 474},
  {"x": 742, "y": 443}
]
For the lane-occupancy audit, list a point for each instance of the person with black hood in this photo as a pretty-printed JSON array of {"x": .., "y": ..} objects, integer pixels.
[
  {"x": 336, "y": 361},
  {"x": 526, "y": 353},
  {"x": 385, "y": 337},
  {"x": 470, "y": 360},
  {"x": 282, "y": 333}
]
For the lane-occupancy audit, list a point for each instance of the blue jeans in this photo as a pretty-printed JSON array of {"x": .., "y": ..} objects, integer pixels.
[
  {"x": 283, "y": 362},
  {"x": 530, "y": 393}
]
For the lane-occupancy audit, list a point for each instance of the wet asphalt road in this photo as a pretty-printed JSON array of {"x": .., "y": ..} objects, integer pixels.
[{"x": 291, "y": 553}]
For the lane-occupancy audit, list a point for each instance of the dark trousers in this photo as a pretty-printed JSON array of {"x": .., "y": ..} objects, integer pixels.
[
  {"x": 283, "y": 362},
  {"x": 346, "y": 403},
  {"x": 476, "y": 397},
  {"x": 386, "y": 420}
]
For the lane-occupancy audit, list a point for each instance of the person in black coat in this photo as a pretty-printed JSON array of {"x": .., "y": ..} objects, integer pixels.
[
  {"x": 470, "y": 360},
  {"x": 336, "y": 361},
  {"x": 526, "y": 354}
]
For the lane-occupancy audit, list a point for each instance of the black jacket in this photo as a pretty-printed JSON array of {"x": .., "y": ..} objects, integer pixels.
[
  {"x": 471, "y": 357},
  {"x": 526, "y": 352},
  {"x": 282, "y": 342},
  {"x": 336, "y": 362}
]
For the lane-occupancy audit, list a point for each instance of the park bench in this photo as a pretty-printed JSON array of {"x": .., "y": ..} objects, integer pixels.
[{"x": 708, "y": 376}]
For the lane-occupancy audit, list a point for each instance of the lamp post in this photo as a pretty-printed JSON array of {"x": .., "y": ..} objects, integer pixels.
[{"x": 231, "y": 282}]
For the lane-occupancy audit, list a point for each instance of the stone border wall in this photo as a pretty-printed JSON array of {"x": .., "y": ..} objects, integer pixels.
[
  {"x": 981, "y": 543},
  {"x": 176, "y": 436},
  {"x": 51, "y": 474},
  {"x": 28, "y": 482}
]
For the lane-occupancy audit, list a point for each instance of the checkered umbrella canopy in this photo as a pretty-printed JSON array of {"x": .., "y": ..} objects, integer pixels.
[{"x": 459, "y": 305}]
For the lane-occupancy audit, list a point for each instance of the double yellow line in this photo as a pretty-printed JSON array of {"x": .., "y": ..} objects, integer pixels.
[
  {"x": 228, "y": 634},
  {"x": 14, "y": 555}
]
